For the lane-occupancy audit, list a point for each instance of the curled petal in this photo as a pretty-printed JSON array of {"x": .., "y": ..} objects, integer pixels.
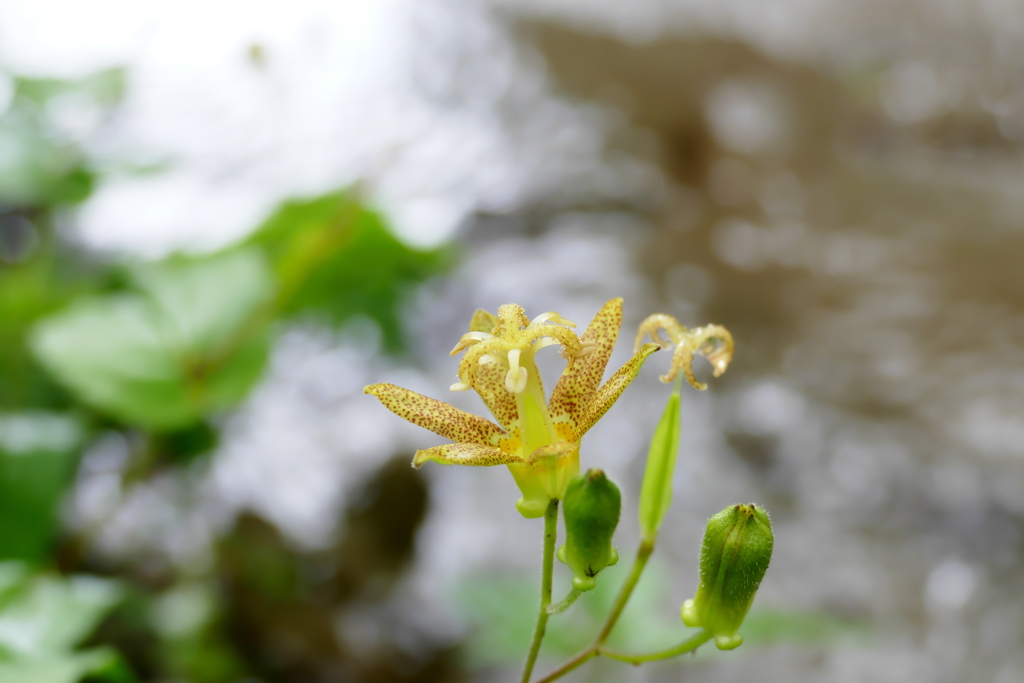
[
  {"x": 472, "y": 359},
  {"x": 714, "y": 342},
  {"x": 469, "y": 339},
  {"x": 437, "y": 416},
  {"x": 653, "y": 324},
  {"x": 539, "y": 344},
  {"x": 571, "y": 345},
  {"x": 473, "y": 454},
  {"x": 612, "y": 389},
  {"x": 552, "y": 317}
]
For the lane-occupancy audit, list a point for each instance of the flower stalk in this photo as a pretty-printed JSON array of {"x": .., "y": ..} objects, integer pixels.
[{"x": 547, "y": 570}]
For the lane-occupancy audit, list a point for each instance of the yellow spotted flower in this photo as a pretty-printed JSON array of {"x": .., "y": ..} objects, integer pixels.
[{"x": 538, "y": 439}]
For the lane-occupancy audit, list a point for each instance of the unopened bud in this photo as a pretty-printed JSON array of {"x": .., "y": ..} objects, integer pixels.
[
  {"x": 592, "y": 504},
  {"x": 737, "y": 549}
]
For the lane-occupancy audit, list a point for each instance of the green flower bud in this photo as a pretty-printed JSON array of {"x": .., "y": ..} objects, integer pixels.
[
  {"x": 737, "y": 548},
  {"x": 592, "y": 504}
]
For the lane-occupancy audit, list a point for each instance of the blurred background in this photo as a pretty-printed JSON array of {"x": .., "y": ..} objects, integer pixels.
[{"x": 219, "y": 221}]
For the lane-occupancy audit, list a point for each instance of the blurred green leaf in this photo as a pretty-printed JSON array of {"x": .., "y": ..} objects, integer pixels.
[
  {"x": 336, "y": 259},
  {"x": 37, "y": 169},
  {"x": 42, "y": 163},
  {"x": 106, "y": 87},
  {"x": 193, "y": 646},
  {"x": 100, "y": 666},
  {"x": 37, "y": 458},
  {"x": 48, "y": 615},
  {"x": 47, "y": 280},
  {"x": 194, "y": 340}
]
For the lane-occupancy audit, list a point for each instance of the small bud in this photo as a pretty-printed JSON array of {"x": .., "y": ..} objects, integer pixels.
[
  {"x": 737, "y": 548},
  {"x": 592, "y": 505}
]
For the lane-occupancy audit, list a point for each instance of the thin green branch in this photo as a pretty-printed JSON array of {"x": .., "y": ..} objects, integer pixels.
[
  {"x": 642, "y": 555},
  {"x": 550, "y": 532},
  {"x": 688, "y": 645},
  {"x": 565, "y": 604}
]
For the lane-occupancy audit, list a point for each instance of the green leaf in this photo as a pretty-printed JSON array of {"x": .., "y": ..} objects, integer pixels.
[
  {"x": 656, "y": 491},
  {"x": 193, "y": 341},
  {"x": 29, "y": 291},
  {"x": 99, "y": 665},
  {"x": 337, "y": 260},
  {"x": 43, "y": 618},
  {"x": 49, "y": 615},
  {"x": 37, "y": 459}
]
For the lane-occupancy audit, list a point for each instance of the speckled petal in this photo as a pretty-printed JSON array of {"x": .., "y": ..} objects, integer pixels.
[
  {"x": 612, "y": 389},
  {"x": 714, "y": 342},
  {"x": 581, "y": 378},
  {"x": 489, "y": 382},
  {"x": 653, "y": 324},
  {"x": 557, "y": 449},
  {"x": 482, "y": 321},
  {"x": 437, "y": 416},
  {"x": 472, "y": 454},
  {"x": 563, "y": 335}
]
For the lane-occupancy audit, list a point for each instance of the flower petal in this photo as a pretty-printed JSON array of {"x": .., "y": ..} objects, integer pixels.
[
  {"x": 612, "y": 389},
  {"x": 473, "y": 454},
  {"x": 489, "y": 382},
  {"x": 714, "y": 342},
  {"x": 583, "y": 375},
  {"x": 437, "y": 416},
  {"x": 483, "y": 321},
  {"x": 656, "y": 322},
  {"x": 555, "y": 449}
]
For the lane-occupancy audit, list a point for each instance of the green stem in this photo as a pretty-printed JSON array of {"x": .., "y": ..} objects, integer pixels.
[
  {"x": 642, "y": 555},
  {"x": 686, "y": 646},
  {"x": 550, "y": 532},
  {"x": 565, "y": 604}
]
